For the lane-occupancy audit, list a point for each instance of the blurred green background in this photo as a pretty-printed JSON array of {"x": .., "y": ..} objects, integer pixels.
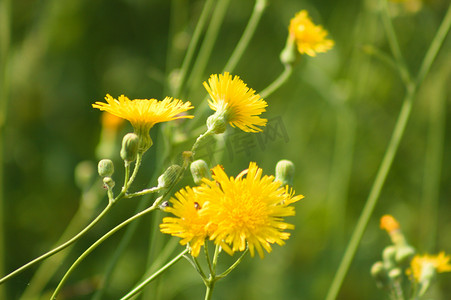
[{"x": 335, "y": 115}]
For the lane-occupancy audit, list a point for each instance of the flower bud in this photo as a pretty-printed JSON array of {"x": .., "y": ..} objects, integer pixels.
[
  {"x": 199, "y": 170},
  {"x": 395, "y": 274},
  {"x": 379, "y": 274},
  {"x": 109, "y": 182},
  {"x": 404, "y": 254},
  {"x": 105, "y": 168},
  {"x": 388, "y": 256},
  {"x": 285, "y": 172},
  {"x": 217, "y": 123},
  {"x": 289, "y": 55},
  {"x": 169, "y": 176},
  {"x": 129, "y": 149}
]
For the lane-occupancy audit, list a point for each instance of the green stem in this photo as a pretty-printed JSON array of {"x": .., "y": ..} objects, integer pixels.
[
  {"x": 100, "y": 241},
  {"x": 208, "y": 43},
  {"x": 139, "y": 288},
  {"x": 232, "y": 267},
  {"x": 394, "y": 141},
  {"x": 393, "y": 43},
  {"x": 192, "y": 46},
  {"x": 433, "y": 50},
  {"x": 61, "y": 247},
  {"x": 154, "y": 206},
  {"x": 5, "y": 41},
  {"x": 46, "y": 270},
  {"x": 155, "y": 189},
  {"x": 248, "y": 33},
  {"x": 209, "y": 291},
  {"x": 277, "y": 83}
]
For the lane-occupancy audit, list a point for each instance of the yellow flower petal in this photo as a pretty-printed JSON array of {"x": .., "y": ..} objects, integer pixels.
[
  {"x": 310, "y": 38},
  {"x": 239, "y": 104}
]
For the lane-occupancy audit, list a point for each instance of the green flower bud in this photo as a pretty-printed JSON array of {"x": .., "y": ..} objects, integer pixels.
[
  {"x": 379, "y": 274},
  {"x": 169, "y": 176},
  {"x": 289, "y": 55},
  {"x": 105, "y": 168},
  {"x": 109, "y": 182},
  {"x": 404, "y": 254},
  {"x": 129, "y": 150},
  {"x": 83, "y": 174},
  {"x": 217, "y": 123},
  {"x": 395, "y": 274},
  {"x": 199, "y": 170},
  {"x": 285, "y": 172},
  {"x": 388, "y": 256}
]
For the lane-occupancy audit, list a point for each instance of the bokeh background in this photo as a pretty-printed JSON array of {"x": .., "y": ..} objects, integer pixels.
[{"x": 333, "y": 118}]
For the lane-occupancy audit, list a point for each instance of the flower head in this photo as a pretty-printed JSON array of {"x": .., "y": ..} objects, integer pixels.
[
  {"x": 233, "y": 101},
  {"x": 310, "y": 38},
  {"x": 248, "y": 209},
  {"x": 389, "y": 224},
  {"x": 143, "y": 114},
  {"x": 423, "y": 267},
  {"x": 188, "y": 224},
  {"x": 233, "y": 212}
]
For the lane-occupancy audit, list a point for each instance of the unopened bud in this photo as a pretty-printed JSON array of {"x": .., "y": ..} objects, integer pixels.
[
  {"x": 289, "y": 55},
  {"x": 109, "y": 182},
  {"x": 379, "y": 274},
  {"x": 217, "y": 123},
  {"x": 105, "y": 168},
  {"x": 199, "y": 170},
  {"x": 130, "y": 145},
  {"x": 395, "y": 274},
  {"x": 285, "y": 172},
  {"x": 404, "y": 254},
  {"x": 169, "y": 176},
  {"x": 388, "y": 256}
]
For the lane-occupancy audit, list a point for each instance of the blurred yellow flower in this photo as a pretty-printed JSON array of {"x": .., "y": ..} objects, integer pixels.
[
  {"x": 143, "y": 114},
  {"x": 235, "y": 102},
  {"x": 189, "y": 224},
  {"x": 247, "y": 210},
  {"x": 111, "y": 122},
  {"x": 389, "y": 223},
  {"x": 310, "y": 38},
  {"x": 422, "y": 267}
]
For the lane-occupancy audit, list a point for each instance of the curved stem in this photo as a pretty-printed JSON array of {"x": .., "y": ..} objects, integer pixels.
[
  {"x": 61, "y": 247},
  {"x": 277, "y": 83},
  {"x": 248, "y": 33},
  {"x": 139, "y": 288},
  {"x": 101, "y": 240},
  {"x": 235, "y": 264}
]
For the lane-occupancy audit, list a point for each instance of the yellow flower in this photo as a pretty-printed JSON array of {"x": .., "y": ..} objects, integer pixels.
[
  {"x": 423, "y": 267},
  {"x": 143, "y": 114},
  {"x": 310, "y": 38},
  {"x": 389, "y": 224},
  {"x": 233, "y": 101},
  {"x": 247, "y": 210},
  {"x": 189, "y": 224}
]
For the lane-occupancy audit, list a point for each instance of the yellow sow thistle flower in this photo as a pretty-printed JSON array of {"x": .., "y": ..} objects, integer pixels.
[
  {"x": 423, "y": 267},
  {"x": 189, "y": 224},
  {"x": 310, "y": 38},
  {"x": 247, "y": 210},
  {"x": 235, "y": 103},
  {"x": 143, "y": 114}
]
